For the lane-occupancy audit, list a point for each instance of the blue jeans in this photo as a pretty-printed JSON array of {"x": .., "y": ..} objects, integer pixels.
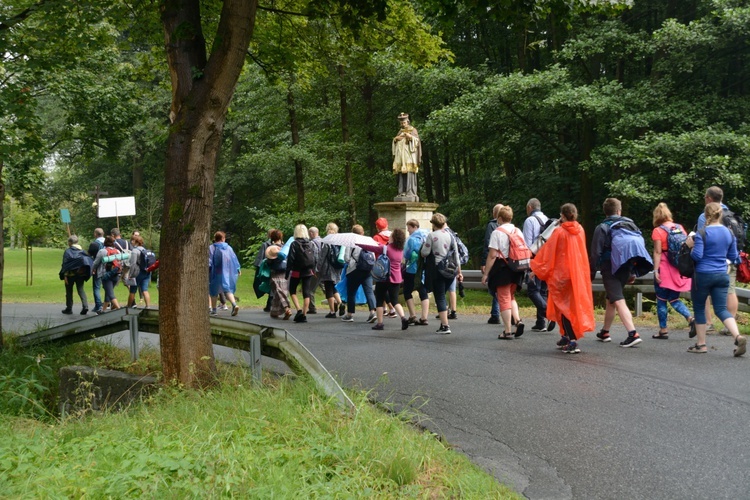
[
  {"x": 665, "y": 296},
  {"x": 353, "y": 280},
  {"x": 714, "y": 285},
  {"x": 439, "y": 286},
  {"x": 97, "y": 285},
  {"x": 537, "y": 292}
]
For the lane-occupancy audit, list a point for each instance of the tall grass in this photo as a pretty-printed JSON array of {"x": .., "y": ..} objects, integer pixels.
[{"x": 282, "y": 440}]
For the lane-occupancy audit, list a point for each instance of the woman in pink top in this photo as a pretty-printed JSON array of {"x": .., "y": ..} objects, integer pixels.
[
  {"x": 388, "y": 290},
  {"x": 667, "y": 280}
]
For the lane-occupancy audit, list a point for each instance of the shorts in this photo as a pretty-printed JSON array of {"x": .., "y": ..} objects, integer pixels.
[
  {"x": 409, "y": 282},
  {"x": 614, "y": 284},
  {"x": 307, "y": 282},
  {"x": 505, "y": 295},
  {"x": 141, "y": 282}
]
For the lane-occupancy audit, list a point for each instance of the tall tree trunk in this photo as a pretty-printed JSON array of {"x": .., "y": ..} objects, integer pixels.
[
  {"x": 446, "y": 174},
  {"x": 345, "y": 141},
  {"x": 427, "y": 167},
  {"x": 370, "y": 163},
  {"x": 587, "y": 200},
  {"x": 201, "y": 92},
  {"x": 437, "y": 178},
  {"x": 2, "y": 247},
  {"x": 298, "y": 175}
]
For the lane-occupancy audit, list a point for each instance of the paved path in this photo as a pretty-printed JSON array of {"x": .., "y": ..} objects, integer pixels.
[{"x": 651, "y": 422}]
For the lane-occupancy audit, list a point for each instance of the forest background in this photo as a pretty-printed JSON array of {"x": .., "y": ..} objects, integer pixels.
[{"x": 565, "y": 101}]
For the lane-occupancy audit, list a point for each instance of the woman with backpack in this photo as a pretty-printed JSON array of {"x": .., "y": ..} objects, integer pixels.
[
  {"x": 137, "y": 276},
  {"x": 386, "y": 289},
  {"x": 668, "y": 236},
  {"x": 109, "y": 273},
  {"x": 501, "y": 276},
  {"x": 300, "y": 269},
  {"x": 440, "y": 252},
  {"x": 223, "y": 271},
  {"x": 279, "y": 285},
  {"x": 712, "y": 247},
  {"x": 329, "y": 271},
  {"x": 359, "y": 264}
]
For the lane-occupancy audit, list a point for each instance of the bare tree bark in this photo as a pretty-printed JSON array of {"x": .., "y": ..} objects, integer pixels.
[
  {"x": 345, "y": 141},
  {"x": 298, "y": 174},
  {"x": 201, "y": 91}
]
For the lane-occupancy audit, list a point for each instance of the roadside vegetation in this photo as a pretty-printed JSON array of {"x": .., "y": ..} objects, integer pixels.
[{"x": 237, "y": 439}]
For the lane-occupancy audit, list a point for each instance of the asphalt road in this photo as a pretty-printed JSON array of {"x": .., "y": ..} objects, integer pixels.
[{"x": 651, "y": 422}]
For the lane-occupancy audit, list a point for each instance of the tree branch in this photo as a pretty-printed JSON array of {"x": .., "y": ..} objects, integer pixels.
[
  {"x": 280, "y": 11},
  {"x": 21, "y": 16}
]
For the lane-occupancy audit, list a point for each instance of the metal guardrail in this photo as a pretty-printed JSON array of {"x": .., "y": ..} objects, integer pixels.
[
  {"x": 255, "y": 339},
  {"x": 643, "y": 285}
]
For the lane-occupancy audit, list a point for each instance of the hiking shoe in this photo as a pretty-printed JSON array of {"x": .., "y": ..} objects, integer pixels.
[
  {"x": 539, "y": 328},
  {"x": 372, "y": 317},
  {"x": 631, "y": 341},
  {"x": 84, "y": 312},
  {"x": 404, "y": 323},
  {"x": 330, "y": 315},
  {"x": 519, "y": 330},
  {"x": 603, "y": 336},
  {"x": 494, "y": 320},
  {"x": 213, "y": 312},
  {"x": 300, "y": 318},
  {"x": 741, "y": 344},
  {"x": 312, "y": 311},
  {"x": 452, "y": 315},
  {"x": 348, "y": 319},
  {"x": 693, "y": 331},
  {"x": 235, "y": 310},
  {"x": 562, "y": 342},
  {"x": 342, "y": 308},
  {"x": 67, "y": 311},
  {"x": 444, "y": 329},
  {"x": 571, "y": 348},
  {"x": 378, "y": 326},
  {"x": 298, "y": 315},
  {"x": 551, "y": 326}
]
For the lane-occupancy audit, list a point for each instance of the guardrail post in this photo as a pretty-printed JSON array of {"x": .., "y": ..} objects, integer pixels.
[
  {"x": 639, "y": 304},
  {"x": 133, "y": 327},
  {"x": 255, "y": 368}
]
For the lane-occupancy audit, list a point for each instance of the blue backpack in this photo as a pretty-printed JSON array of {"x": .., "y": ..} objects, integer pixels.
[
  {"x": 628, "y": 248},
  {"x": 675, "y": 238},
  {"x": 382, "y": 268},
  {"x": 366, "y": 260}
]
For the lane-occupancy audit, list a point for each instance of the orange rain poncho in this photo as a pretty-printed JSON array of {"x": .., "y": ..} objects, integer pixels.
[{"x": 563, "y": 264}]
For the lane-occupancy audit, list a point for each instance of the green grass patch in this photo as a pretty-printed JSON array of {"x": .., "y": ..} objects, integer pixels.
[{"x": 279, "y": 440}]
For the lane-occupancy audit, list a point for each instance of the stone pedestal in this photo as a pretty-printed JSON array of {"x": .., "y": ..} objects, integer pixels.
[{"x": 398, "y": 212}]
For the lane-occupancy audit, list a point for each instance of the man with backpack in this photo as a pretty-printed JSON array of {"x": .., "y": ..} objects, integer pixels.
[
  {"x": 359, "y": 265},
  {"x": 600, "y": 258},
  {"x": 317, "y": 242},
  {"x": 536, "y": 289},
  {"x": 491, "y": 226},
  {"x": 138, "y": 278},
  {"x": 737, "y": 226}
]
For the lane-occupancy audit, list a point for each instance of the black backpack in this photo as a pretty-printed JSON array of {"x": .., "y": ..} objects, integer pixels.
[
  {"x": 146, "y": 259},
  {"x": 333, "y": 257},
  {"x": 305, "y": 257},
  {"x": 737, "y": 226},
  {"x": 366, "y": 260}
]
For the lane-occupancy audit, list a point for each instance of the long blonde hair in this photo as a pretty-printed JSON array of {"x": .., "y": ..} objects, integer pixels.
[{"x": 662, "y": 214}]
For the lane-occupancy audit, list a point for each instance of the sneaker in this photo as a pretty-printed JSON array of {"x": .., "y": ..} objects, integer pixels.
[
  {"x": 266, "y": 309},
  {"x": 562, "y": 342},
  {"x": 519, "y": 330},
  {"x": 330, "y": 315},
  {"x": 392, "y": 314},
  {"x": 342, "y": 308},
  {"x": 631, "y": 341},
  {"x": 300, "y": 318},
  {"x": 603, "y": 336},
  {"x": 404, "y": 323},
  {"x": 298, "y": 315},
  {"x": 134, "y": 306},
  {"x": 693, "y": 331},
  {"x": 551, "y": 326},
  {"x": 571, "y": 348},
  {"x": 224, "y": 307},
  {"x": 378, "y": 326},
  {"x": 539, "y": 327},
  {"x": 452, "y": 315},
  {"x": 348, "y": 319},
  {"x": 235, "y": 310},
  {"x": 99, "y": 312},
  {"x": 741, "y": 344},
  {"x": 312, "y": 311},
  {"x": 84, "y": 312},
  {"x": 372, "y": 317},
  {"x": 444, "y": 329},
  {"x": 67, "y": 311},
  {"x": 213, "y": 312},
  {"x": 494, "y": 320}
]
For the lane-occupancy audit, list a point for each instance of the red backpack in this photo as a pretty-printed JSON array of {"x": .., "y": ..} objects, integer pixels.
[
  {"x": 743, "y": 268},
  {"x": 519, "y": 258}
]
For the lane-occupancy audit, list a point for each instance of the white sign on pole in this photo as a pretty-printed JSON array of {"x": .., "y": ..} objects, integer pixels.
[{"x": 116, "y": 207}]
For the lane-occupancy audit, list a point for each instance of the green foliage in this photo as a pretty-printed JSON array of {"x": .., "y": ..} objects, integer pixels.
[{"x": 282, "y": 439}]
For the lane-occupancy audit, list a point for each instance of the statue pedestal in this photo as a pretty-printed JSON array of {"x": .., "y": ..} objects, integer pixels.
[{"x": 398, "y": 212}]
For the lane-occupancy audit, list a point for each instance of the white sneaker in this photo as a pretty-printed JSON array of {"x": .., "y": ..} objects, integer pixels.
[{"x": 373, "y": 316}]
